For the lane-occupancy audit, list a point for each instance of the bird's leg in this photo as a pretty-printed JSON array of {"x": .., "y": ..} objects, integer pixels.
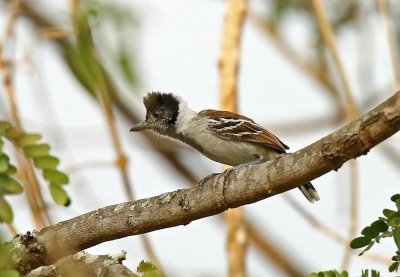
[{"x": 257, "y": 159}]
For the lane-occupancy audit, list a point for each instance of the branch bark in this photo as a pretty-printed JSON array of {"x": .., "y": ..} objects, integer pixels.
[
  {"x": 242, "y": 186},
  {"x": 85, "y": 264}
]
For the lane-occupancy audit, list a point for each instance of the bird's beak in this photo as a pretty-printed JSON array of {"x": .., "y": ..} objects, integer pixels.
[{"x": 140, "y": 126}]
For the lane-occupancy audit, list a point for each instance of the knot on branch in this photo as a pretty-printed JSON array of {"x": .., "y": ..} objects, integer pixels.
[
  {"x": 26, "y": 252},
  {"x": 343, "y": 149},
  {"x": 392, "y": 114},
  {"x": 184, "y": 202}
]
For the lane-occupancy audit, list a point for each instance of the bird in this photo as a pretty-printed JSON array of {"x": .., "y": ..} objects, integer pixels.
[{"x": 222, "y": 136}]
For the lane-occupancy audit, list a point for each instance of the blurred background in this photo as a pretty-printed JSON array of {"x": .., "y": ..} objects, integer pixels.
[{"x": 78, "y": 73}]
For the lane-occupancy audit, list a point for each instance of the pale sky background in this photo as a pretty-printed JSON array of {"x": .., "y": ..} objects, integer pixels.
[{"x": 176, "y": 46}]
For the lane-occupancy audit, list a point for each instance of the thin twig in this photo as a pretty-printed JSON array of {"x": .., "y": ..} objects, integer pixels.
[
  {"x": 331, "y": 232},
  {"x": 88, "y": 165},
  {"x": 329, "y": 38},
  {"x": 353, "y": 211},
  {"x": 271, "y": 253},
  {"x": 314, "y": 221},
  {"x": 103, "y": 96},
  {"x": 12, "y": 229},
  {"x": 122, "y": 106},
  {"x": 228, "y": 66},
  {"x": 54, "y": 33},
  {"x": 383, "y": 10},
  {"x": 36, "y": 191},
  {"x": 33, "y": 205},
  {"x": 295, "y": 57},
  {"x": 10, "y": 23},
  {"x": 36, "y": 201},
  {"x": 351, "y": 113}
]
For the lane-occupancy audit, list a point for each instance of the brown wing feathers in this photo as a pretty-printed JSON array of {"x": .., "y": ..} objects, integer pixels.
[{"x": 234, "y": 126}]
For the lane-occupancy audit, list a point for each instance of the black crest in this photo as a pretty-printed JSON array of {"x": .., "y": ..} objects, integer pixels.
[{"x": 166, "y": 103}]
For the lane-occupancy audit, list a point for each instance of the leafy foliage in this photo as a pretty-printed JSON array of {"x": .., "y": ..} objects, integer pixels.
[
  {"x": 8, "y": 184},
  {"x": 5, "y": 261},
  {"x": 330, "y": 273},
  {"x": 147, "y": 269},
  {"x": 31, "y": 147},
  {"x": 344, "y": 13},
  {"x": 374, "y": 273},
  {"x": 386, "y": 226},
  {"x": 83, "y": 54},
  {"x": 335, "y": 273},
  {"x": 9, "y": 273}
]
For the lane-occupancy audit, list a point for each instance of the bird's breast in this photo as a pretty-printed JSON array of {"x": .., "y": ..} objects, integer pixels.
[{"x": 230, "y": 152}]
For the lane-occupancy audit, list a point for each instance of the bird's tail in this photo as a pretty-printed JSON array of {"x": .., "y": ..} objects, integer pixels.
[{"x": 309, "y": 192}]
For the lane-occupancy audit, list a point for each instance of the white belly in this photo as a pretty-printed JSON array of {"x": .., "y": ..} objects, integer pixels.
[{"x": 231, "y": 152}]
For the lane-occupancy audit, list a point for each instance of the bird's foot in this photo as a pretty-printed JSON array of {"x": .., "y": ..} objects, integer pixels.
[{"x": 257, "y": 159}]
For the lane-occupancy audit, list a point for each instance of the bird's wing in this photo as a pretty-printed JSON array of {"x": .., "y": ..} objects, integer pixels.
[{"x": 237, "y": 127}]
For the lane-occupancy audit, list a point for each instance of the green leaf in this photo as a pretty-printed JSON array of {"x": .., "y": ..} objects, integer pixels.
[
  {"x": 12, "y": 187},
  {"x": 330, "y": 273},
  {"x": 367, "y": 248},
  {"x": 13, "y": 134},
  {"x": 4, "y": 161},
  {"x": 387, "y": 234},
  {"x": 394, "y": 219},
  {"x": 4, "y": 125},
  {"x": 5, "y": 180},
  {"x": 1, "y": 144},
  {"x": 379, "y": 226},
  {"x": 9, "y": 273},
  {"x": 388, "y": 213},
  {"x": 359, "y": 242},
  {"x": 28, "y": 140},
  {"x": 394, "y": 266},
  {"x": 11, "y": 170},
  {"x": 396, "y": 237},
  {"x": 384, "y": 219},
  {"x": 9, "y": 185},
  {"x": 38, "y": 150},
  {"x": 46, "y": 162},
  {"x": 55, "y": 177},
  {"x": 59, "y": 195},
  {"x": 374, "y": 273},
  {"x": 395, "y": 197},
  {"x": 147, "y": 269},
  {"x": 5, "y": 211},
  {"x": 126, "y": 66},
  {"x": 370, "y": 232}
]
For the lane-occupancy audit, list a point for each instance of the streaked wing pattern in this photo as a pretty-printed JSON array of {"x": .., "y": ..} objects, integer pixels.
[{"x": 233, "y": 126}]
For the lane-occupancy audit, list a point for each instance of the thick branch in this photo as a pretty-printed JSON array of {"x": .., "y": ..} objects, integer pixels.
[
  {"x": 243, "y": 186},
  {"x": 85, "y": 264}
]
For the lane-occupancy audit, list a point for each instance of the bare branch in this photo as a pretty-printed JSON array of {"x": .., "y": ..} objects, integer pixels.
[
  {"x": 242, "y": 186},
  {"x": 85, "y": 264}
]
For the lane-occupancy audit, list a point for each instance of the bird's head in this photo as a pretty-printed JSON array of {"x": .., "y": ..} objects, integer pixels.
[{"x": 161, "y": 112}]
